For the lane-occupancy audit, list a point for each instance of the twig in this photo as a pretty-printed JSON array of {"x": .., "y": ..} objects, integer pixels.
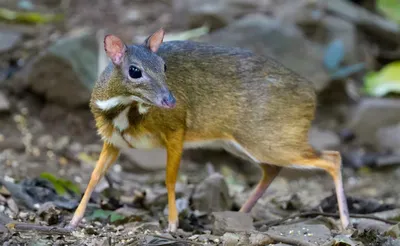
[
  {"x": 176, "y": 240},
  {"x": 287, "y": 240},
  {"x": 306, "y": 214},
  {"x": 50, "y": 230}
]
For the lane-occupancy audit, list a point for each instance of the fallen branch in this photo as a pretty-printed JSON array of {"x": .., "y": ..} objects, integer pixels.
[
  {"x": 308, "y": 214},
  {"x": 364, "y": 19},
  {"x": 49, "y": 230},
  {"x": 287, "y": 240}
]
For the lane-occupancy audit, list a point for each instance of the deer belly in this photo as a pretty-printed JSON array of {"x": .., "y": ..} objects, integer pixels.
[
  {"x": 221, "y": 144},
  {"x": 142, "y": 141}
]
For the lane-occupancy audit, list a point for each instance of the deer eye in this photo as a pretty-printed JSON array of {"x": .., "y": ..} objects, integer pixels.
[
  {"x": 165, "y": 67},
  {"x": 134, "y": 72}
]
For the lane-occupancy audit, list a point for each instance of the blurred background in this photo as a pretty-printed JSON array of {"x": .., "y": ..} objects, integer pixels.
[{"x": 52, "y": 53}]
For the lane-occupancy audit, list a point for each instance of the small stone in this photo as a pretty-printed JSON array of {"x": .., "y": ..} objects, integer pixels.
[
  {"x": 230, "y": 238},
  {"x": 23, "y": 215},
  {"x": 45, "y": 141},
  {"x": 32, "y": 216},
  {"x": 233, "y": 239},
  {"x": 212, "y": 195},
  {"x": 229, "y": 221},
  {"x": 49, "y": 213},
  {"x": 260, "y": 239},
  {"x": 308, "y": 231},
  {"x": 62, "y": 143},
  {"x": 193, "y": 237},
  {"x": 12, "y": 205},
  {"x": 4, "y": 103}
]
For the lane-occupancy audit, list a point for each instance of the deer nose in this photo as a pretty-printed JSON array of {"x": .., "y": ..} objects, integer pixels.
[{"x": 168, "y": 100}]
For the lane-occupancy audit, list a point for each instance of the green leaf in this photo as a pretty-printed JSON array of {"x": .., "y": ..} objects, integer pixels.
[
  {"x": 60, "y": 185},
  {"x": 28, "y": 17},
  {"x": 116, "y": 217},
  {"x": 387, "y": 80},
  {"x": 100, "y": 214},
  {"x": 390, "y": 8},
  {"x": 343, "y": 240}
]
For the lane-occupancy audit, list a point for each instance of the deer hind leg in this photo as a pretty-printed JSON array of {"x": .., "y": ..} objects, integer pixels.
[
  {"x": 331, "y": 162},
  {"x": 269, "y": 173}
]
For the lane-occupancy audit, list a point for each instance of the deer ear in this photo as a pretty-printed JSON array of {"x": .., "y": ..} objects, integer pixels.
[
  {"x": 154, "y": 41},
  {"x": 115, "y": 48}
]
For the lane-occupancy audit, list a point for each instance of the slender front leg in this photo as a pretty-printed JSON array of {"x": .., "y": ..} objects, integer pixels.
[
  {"x": 108, "y": 156},
  {"x": 174, "y": 146},
  {"x": 269, "y": 173}
]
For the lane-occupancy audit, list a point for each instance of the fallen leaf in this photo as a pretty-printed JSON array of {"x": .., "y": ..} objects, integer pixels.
[
  {"x": 101, "y": 214},
  {"x": 60, "y": 185},
  {"x": 394, "y": 231},
  {"x": 343, "y": 240},
  {"x": 334, "y": 54},
  {"x": 383, "y": 82}
]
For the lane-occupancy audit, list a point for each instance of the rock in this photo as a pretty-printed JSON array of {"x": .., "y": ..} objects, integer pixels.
[
  {"x": 219, "y": 13},
  {"x": 260, "y": 239},
  {"x": 318, "y": 234},
  {"x": 394, "y": 231},
  {"x": 372, "y": 225},
  {"x": 233, "y": 239},
  {"x": 229, "y": 221},
  {"x": 8, "y": 40},
  {"x": 12, "y": 206},
  {"x": 4, "y": 103},
  {"x": 370, "y": 115},
  {"x": 66, "y": 71},
  {"x": 23, "y": 215},
  {"x": 388, "y": 138},
  {"x": 49, "y": 213},
  {"x": 280, "y": 40},
  {"x": 212, "y": 195},
  {"x": 323, "y": 139}
]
